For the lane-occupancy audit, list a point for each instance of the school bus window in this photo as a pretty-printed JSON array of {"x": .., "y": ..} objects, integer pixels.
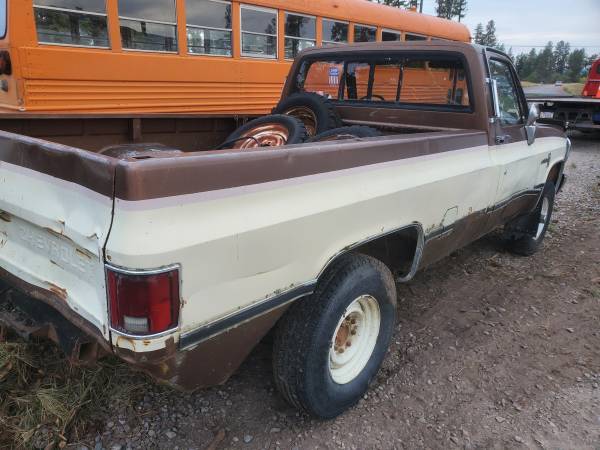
[
  {"x": 390, "y": 35},
  {"x": 148, "y": 25},
  {"x": 363, "y": 33},
  {"x": 414, "y": 37},
  {"x": 259, "y": 32},
  {"x": 300, "y": 33},
  {"x": 334, "y": 32},
  {"x": 71, "y": 22},
  {"x": 209, "y": 27}
]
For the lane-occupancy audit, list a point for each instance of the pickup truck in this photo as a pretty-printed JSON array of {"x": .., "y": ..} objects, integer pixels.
[{"x": 180, "y": 262}]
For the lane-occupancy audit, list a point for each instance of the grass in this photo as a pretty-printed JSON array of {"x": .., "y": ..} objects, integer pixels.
[
  {"x": 573, "y": 88},
  {"x": 45, "y": 402},
  {"x": 528, "y": 84}
]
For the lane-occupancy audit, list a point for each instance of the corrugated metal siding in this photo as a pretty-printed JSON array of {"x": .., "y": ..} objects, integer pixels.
[{"x": 115, "y": 96}]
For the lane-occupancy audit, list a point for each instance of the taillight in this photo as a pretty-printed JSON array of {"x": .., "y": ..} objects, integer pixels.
[
  {"x": 143, "y": 303},
  {"x": 5, "y": 64}
]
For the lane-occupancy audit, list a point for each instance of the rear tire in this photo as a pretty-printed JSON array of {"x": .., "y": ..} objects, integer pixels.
[
  {"x": 316, "y": 112},
  {"x": 329, "y": 346},
  {"x": 268, "y": 131},
  {"x": 524, "y": 235},
  {"x": 352, "y": 132}
]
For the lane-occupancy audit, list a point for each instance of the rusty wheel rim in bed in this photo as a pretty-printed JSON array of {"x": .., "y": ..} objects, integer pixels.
[
  {"x": 306, "y": 116},
  {"x": 270, "y": 135}
]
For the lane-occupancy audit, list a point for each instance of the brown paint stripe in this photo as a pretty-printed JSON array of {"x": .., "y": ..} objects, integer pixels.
[{"x": 211, "y": 171}]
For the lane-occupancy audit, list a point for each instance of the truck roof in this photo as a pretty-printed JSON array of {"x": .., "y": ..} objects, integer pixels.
[{"x": 369, "y": 47}]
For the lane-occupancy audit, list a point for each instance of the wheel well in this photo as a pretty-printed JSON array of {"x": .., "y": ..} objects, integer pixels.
[
  {"x": 399, "y": 250},
  {"x": 554, "y": 173}
]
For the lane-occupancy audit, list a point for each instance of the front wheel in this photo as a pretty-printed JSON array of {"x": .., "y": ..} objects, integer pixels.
[
  {"x": 329, "y": 346},
  {"x": 524, "y": 236}
]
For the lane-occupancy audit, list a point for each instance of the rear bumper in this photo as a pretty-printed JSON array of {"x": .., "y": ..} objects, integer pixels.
[{"x": 33, "y": 312}]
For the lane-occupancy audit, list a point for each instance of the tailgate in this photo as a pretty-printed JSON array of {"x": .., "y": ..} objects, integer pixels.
[{"x": 55, "y": 214}]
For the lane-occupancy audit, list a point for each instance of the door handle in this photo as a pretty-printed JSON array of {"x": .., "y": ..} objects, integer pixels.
[{"x": 502, "y": 139}]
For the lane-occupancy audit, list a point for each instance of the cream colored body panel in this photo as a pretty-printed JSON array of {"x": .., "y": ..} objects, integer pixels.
[
  {"x": 51, "y": 236},
  {"x": 241, "y": 246}
]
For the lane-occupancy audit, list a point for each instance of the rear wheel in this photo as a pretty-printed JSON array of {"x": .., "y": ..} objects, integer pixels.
[
  {"x": 352, "y": 132},
  {"x": 524, "y": 236},
  {"x": 329, "y": 346},
  {"x": 269, "y": 131}
]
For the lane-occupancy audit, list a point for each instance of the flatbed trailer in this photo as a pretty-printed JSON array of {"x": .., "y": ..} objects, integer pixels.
[{"x": 574, "y": 113}]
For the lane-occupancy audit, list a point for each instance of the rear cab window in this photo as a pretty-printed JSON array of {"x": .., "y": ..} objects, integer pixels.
[{"x": 409, "y": 80}]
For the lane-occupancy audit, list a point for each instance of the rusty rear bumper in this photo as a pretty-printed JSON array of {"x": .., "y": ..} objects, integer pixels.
[{"x": 33, "y": 312}]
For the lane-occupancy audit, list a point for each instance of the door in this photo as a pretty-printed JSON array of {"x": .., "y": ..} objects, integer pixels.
[{"x": 519, "y": 162}]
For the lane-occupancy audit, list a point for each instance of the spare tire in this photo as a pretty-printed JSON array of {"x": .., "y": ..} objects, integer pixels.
[
  {"x": 317, "y": 113},
  {"x": 352, "y": 132},
  {"x": 268, "y": 131}
]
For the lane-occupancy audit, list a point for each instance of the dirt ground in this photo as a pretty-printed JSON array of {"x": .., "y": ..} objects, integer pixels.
[{"x": 491, "y": 351}]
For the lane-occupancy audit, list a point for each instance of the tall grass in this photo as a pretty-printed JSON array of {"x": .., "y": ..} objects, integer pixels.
[{"x": 45, "y": 402}]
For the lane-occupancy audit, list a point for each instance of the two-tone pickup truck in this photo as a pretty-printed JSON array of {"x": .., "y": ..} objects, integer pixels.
[{"x": 180, "y": 262}]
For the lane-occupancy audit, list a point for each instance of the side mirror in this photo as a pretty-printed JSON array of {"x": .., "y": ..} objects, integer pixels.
[{"x": 534, "y": 115}]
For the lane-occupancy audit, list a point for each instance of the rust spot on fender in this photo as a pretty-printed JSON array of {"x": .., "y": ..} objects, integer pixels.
[
  {"x": 125, "y": 343},
  {"x": 5, "y": 217},
  {"x": 60, "y": 292},
  {"x": 85, "y": 253}
]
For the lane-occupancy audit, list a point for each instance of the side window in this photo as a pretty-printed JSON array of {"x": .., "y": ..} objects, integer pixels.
[
  {"x": 208, "y": 27},
  {"x": 71, "y": 22},
  {"x": 508, "y": 98},
  {"x": 259, "y": 32},
  {"x": 414, "y": 37},
  {"x": 364, "y": 33},
  {"x": 300, "y": 33},
  {"x": 390, "y": 35},
  {"x": 334, "y": 32},
  {"x": 148, "y": 25}
]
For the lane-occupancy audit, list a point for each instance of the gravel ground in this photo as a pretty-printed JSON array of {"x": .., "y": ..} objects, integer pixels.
[{"x": 491, "y": 351}]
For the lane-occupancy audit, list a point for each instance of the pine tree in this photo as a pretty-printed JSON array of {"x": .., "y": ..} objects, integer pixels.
[
  {"x": 444, "y": 8},
  {"x": 576, "y": 64},
  {"x": 479, "y": 37},
  {"x": 490, "y": 38},
  {"x": 459, "y": 9},
  {"x": 561, "y": 56}
]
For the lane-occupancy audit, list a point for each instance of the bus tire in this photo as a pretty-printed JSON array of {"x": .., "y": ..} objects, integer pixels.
[
  {"x": 355, "y": 131},
  {"x": 268, "y": 131},
  {"x": 329, "y": 346},
  {"x": 316, "y": 112}
]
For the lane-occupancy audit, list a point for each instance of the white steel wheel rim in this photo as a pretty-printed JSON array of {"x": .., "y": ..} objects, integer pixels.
[
  {"x": 354, "y": 339},
  {"x": 543, "y": 217}
]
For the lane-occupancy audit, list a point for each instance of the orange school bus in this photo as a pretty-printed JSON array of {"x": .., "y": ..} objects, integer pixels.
[{"x": 216, "y": 58}]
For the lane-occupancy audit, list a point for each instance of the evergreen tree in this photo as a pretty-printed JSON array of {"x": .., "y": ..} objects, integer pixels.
[
  {"x": 479, "y": 37},
  {"x": 490, "y": 38},
  {"x": 576, "y": 64},
  {"x": 561, "y": 56},
  {"x": 459, "y": 9},
  {"x": 444, "y": 8}
]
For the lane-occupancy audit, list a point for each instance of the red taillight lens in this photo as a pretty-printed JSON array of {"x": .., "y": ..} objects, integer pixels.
[
  {"x": 5, "y": 65},
  {"x": 143, "y": 304}
]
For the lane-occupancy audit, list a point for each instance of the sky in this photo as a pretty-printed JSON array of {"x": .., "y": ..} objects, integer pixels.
[{"x": 526, "y": 23}]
